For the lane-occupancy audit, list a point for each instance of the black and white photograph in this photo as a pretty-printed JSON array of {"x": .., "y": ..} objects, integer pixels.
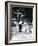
[{"x": 21, "y": 23}]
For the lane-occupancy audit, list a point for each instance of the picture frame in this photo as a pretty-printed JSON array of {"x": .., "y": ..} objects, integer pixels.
[{"x": 16, "y": 13}]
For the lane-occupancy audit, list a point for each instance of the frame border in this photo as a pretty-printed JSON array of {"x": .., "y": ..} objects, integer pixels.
[{"x": 6, "y": 21}]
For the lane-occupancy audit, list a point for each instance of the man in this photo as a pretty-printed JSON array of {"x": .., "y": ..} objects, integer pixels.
[{"x": 20, "y": 23}]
